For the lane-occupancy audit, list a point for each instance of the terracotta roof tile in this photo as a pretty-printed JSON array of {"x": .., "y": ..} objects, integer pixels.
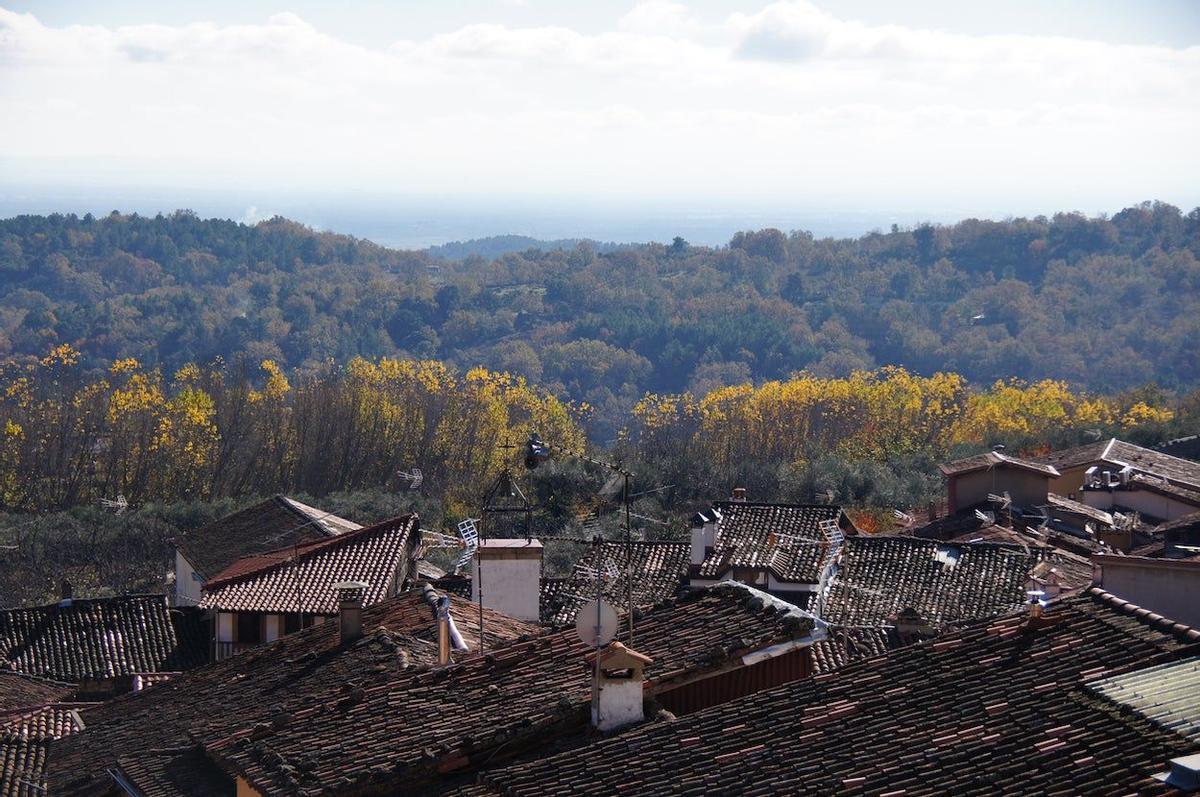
[
  {"x": 273, "y": 582},
  {"x": 946, "y": 583},
  {"x": 22, "y": 764},
  {"x": 1184, "y": 472},
  {"x": 174, "y": 772},
  {"x": 255, "y": 686},
  {"x": 783, "y": 539},
  {"x": 966, "y": 718},
  {"x": 19, "y": 691},
  {"x": 25, "y": 736},
  {"x": 658, "y": 567},
  {"x": 412, "y": 732},
  {"x": 100, "y": 638},
  {"x": 993, "y": 459}
]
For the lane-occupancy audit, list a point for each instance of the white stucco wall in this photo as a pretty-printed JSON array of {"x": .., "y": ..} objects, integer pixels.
[
  {"x": 272, "y": 627},
  {"x": 187, "y": 582},
  {"x": 1166, "y": 586},
  {"x": 511, "y": 585},
  {"x": 620, "y": 704},
  {"x": 225, "y": 626},
  {"x": 703, "y": 538}
]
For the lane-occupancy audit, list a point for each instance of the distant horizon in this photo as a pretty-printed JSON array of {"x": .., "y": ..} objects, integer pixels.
[
  {"x": 418, "y": 223},
  {"x": 623, "y": 119}
]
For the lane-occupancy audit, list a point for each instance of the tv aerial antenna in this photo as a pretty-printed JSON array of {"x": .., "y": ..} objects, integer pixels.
[
  {"x": 413, "y": 478},
  {"x": 467, "y": 540},
  {"x": 116, "y": 505}
]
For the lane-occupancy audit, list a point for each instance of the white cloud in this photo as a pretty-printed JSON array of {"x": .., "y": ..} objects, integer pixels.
[{"x": 789, "y": 102}]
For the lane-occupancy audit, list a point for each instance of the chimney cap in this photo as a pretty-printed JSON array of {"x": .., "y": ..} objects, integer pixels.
[
  {"x": 351, "y": 590},
  {"x": 615, "y": 655}
]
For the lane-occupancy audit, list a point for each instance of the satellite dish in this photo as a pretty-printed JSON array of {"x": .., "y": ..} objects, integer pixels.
[{"x": 585, "y": 624}]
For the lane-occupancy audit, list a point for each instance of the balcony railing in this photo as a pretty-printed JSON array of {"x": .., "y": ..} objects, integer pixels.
[{"x": 223, "y": 650}]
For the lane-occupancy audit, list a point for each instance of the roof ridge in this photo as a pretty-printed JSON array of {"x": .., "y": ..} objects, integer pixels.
[
  {"x": 776, "y": 504},
  {"x": 1181, "y": 631},
  {"x": 287, "y": 504},
  {"x": 305, "y": 550},
  {"x": 59, "y": 604}
]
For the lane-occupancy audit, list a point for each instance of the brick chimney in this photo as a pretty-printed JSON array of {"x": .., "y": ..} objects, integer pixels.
[
  {"x": 739, "y": 494},
  {"x": 65, "y": 593},
  {"x": 618, "y": 700},
  {"x": 350, "y": 605},
  {"x": 511, "y": 577}
]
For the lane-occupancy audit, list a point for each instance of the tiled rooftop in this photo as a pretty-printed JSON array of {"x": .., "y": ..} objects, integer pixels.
[
  {"x": 845, "y": 645},
  {"x": 186, "y": 772},
  {"x": 54, "y": 720},
  {"x": 1059, "y": 502},
  {"x": 1185, "y": 472},
  {"x": 22, "y": 764},
  {"x": 100, "y": 638},
  {"x": 784, "y": 539},
  {"x": 1187, "y": 494},
  {"x": 993, "y": 459},
  {"x": 483, "y": 710},
  {"x": 25, "y": 735},
  {"x": 658, "y": 567},
  {"x": 946, "y": 583},
  {"x": 294, "y": 671},
  {"x": 408, "y": 730},
  {"x": 301, "y": 578},
  {"x": 997, "y": 708},
  {"x": 275, "y": 523},
  {"x": 19, "y": 691}
]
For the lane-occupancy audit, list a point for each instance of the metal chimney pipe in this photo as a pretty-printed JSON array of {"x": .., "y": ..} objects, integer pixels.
[{"x": 443, "y": 626}]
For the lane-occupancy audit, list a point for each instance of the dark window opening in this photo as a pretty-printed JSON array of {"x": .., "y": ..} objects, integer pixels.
[{"x": 249, "y": 627}]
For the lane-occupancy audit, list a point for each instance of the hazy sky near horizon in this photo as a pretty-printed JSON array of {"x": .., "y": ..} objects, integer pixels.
[{"x": 856, "y": 104}]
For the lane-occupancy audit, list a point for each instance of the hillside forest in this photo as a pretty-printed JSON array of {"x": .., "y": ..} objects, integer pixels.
[{"x": 1104, "y": 304}]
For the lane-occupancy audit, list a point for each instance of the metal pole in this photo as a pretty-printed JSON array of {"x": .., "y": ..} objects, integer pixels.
[
  {"x": 596, "y": 548},
  {"x": 628, "y": 560},
  {"x": 479, "y": 576}
]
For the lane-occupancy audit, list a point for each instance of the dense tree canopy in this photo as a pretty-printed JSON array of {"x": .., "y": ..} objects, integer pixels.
[{"x": 1102, "y": 303}]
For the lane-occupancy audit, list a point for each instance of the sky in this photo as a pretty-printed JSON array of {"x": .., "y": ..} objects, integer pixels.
[{"x": 532, "y": 109}]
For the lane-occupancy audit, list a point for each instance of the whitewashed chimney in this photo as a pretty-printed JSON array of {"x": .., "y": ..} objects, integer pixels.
[
  {"x": 618, "y": 700},
  {"x": 511, "y": 577},
  {"x": 704, "y": 533}
]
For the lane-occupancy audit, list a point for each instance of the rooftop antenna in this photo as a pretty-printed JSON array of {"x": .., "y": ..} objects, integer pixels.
[
  {"x": 504, "y": 496},
  {"x": 537, "y": 451},
  {"x": 116, "y": 505},
  {"x": 466, "y": 541},
  {"x": 413, "y": 478}
]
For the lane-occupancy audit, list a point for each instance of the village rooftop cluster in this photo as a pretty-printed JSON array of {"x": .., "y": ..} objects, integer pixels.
[{"x": 1039, "y": 634}]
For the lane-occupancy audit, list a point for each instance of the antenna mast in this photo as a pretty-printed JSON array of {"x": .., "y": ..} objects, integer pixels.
[{"x": 537, "y": 451}]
